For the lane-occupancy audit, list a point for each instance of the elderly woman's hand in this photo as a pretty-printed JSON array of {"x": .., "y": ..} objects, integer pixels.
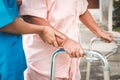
[
  {"x": 73, "y": 48},
  {"x": 106, "y": 36}
]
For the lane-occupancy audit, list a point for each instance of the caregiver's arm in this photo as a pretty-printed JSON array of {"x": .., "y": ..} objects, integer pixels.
[
  {"x": 88, "y": 20},
  {"x": 43, "y": 22},
  {"x": 21, "y": 27}
]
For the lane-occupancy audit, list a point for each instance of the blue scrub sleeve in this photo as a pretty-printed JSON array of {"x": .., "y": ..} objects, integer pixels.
[{"x": 5, "y": 18}]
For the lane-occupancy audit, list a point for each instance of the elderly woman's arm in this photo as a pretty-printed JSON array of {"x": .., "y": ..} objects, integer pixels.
[{"x": 88, "y": 20}]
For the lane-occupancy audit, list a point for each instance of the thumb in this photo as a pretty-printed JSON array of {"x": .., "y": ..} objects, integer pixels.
[
  {"x": 59, "y": 40},
  {"x": 60, "y": 35}
]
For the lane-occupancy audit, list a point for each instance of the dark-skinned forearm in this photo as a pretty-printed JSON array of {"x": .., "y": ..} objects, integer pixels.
[
  {"x": 88, "y": 20},
  {"x": 21, "y": 27}
]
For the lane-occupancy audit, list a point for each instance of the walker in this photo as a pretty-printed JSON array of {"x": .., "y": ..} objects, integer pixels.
[
  {"x": 90, "y": 58},
  {"x": 93, "y": 55},
  {"x": 87, "y": 52}
]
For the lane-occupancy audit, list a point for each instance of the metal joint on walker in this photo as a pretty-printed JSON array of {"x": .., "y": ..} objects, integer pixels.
[
  {"x": 106, "y": 68},
  {"x": 117, "y": 40}
]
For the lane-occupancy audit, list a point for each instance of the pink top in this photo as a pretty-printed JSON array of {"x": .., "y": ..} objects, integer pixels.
[{"x": 64, "y": 16}]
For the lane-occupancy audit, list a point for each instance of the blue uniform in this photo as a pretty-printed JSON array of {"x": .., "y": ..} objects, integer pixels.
[{"x": 12, "y": 58}]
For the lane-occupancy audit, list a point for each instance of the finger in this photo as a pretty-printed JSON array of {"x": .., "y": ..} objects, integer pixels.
[
  {"x": 70, "y": 54},
  {"x": 42, "y": 38},
  {"x": 49, "y": 42},
  {"x": 78, "y": 53},
  {"x": 54, "y": 41},
  {"x": 59, "y": 41},
  {"x": 107, "y": 39},
  {"x": 81, "y": 52},
  {"x": 110, "y": 37},
  {"x": 55, "y": 44},
  {"x": 59, "y": 34},
  {"x": 74, "y": 53}
]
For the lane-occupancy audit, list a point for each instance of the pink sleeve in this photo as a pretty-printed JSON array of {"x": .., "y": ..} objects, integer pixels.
[
  {"x": 36, "y": 8},
  {"x": 84, "y": 5}
]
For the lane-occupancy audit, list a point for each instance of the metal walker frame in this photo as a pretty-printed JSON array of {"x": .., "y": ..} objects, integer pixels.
[
  {"x": 93, "y": 56},
  {"x": 90, "y": 58}
]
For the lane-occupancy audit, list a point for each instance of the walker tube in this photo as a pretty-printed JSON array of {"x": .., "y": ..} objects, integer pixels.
[
  {"x": 53, "y": 62},
  {"x": 88, "y": 63},
  {"x": 106, "y": 72},
  {"x": 88, "y": 70},
  {"x": 106, "y": 68}
]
